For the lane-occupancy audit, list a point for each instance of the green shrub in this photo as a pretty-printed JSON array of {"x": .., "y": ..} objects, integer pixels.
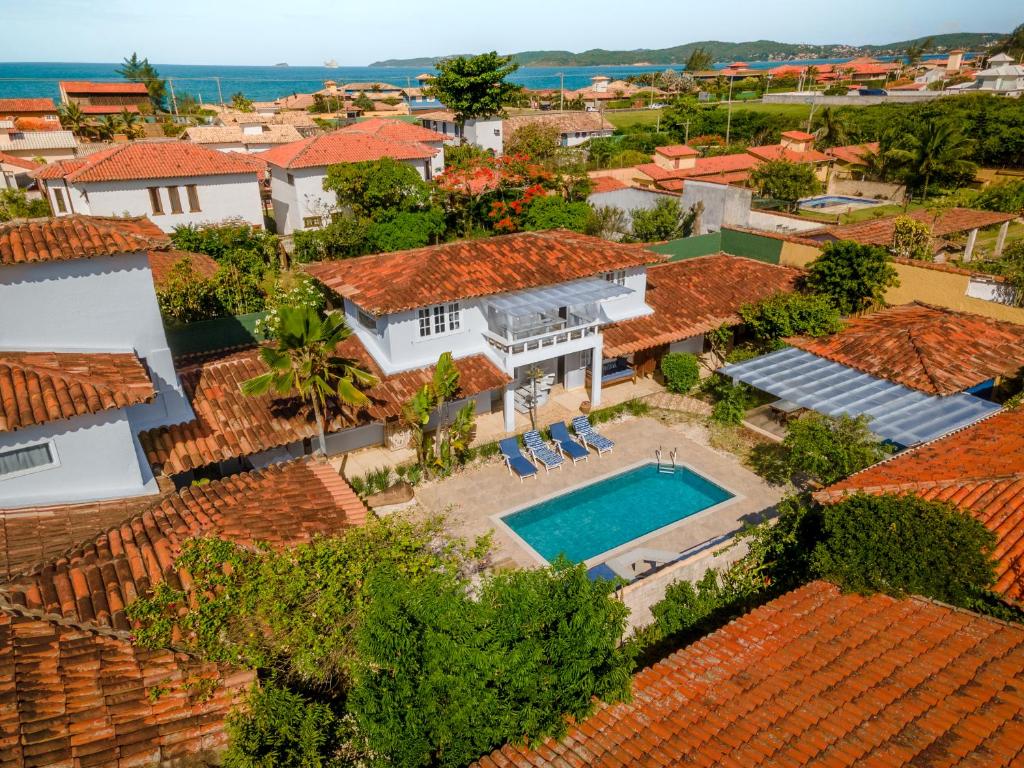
[
  {"x": 731, "y": 400},
  {"x": 790, "y": 314},
  {"x": 681, "y": 371},
  {"x": 829, "y": 449}
]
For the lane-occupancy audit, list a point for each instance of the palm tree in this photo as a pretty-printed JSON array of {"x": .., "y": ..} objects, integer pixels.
[
  {"x": 130, "y": 123},
  {"x": 937, "y": 149},
  {"x": 916, "y": 50},
  {"x": 304, "y": 361},
  {"x": 106, "y": 128},
  {"x": 831, "y": 128},
  {"x": 72, "y": 118}
]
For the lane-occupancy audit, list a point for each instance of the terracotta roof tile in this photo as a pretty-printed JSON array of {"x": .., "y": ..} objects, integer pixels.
[
  {"x": 798, "y": 135},
  {"x": 342, "y": 147},
  {"x": 108, "y": 109},
  {"x": 162, "y": 262},
  {"x": 29, "y": 124},
  {"x": 782, "y": 152},
  {"x": 229, "y": 424},
  {"x": 930, "y": 349},
  {"x": 229, "y": 134},
  {"x": 282, "y": 505},
  {"x": 677, "y": 150},
  {"x": 85, "y": 88},
  {"x": 695, "y": 296},
  {"x": 816, "y": 677},
  {"x": 153, "y": 160},
  {"x": 401, "y": 280},
  {"x": 391, "y": 129},
  {"x": 565, "y": 122},
  {"x": 10, "y": 106},
  {"x": 853, "y": 154},
  {"x": 69, "y": 697},
  {"x": 599, "y": 184},
  {"x": 949, "y": 222},
  {"x": 77, "y": 237},
  {"x": 979, "y": 469},
  {"x": 19, "y": 162},
  {"x": 38, "y": 387}
]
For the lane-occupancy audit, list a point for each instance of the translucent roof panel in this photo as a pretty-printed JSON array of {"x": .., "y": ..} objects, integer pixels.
[
  {"x": 900, "y": 415},
  {"x": 589, "y": 290}
]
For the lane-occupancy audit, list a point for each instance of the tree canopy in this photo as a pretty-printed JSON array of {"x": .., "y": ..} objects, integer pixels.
[
  {"x": 853, "y": 276},
  {"x": 785, "y": 181},
  {"x": 474, "y": 86}
]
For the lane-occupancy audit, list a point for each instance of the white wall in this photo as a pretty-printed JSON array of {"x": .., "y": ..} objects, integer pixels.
[
  {"x": 486, "y": 134},
  {"x": 97, "y": 460},
  {"x": 235, "y": 196},
  {"x": 93, "y": 305}
]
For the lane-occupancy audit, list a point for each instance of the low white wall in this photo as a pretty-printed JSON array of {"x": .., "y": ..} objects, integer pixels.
[
  {"x": 872, "y": 190},
  {"x": 770, "y": 222}
]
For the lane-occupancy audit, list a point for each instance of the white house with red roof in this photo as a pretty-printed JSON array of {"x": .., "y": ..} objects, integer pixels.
[
  {"x": 84, "y": 360},
  {"x": 173, "y": 182},
  {"x": 16, "y": 172},
  {"x": 298, "y": 169}
]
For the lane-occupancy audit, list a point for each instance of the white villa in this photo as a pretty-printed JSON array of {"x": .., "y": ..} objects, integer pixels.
[
  {"x": 174, "y": 183},
  {"x": 244, "y": 136},
  {"x": 81, "y": 379}
]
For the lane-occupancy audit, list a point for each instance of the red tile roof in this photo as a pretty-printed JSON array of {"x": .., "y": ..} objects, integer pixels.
[
  {"x": 705, "y": 166},
  {"x": 108, "y": 109},
  {"x": 19, "y": 162},
  {"x": 815, "y": 677},
  {"x": 949, "y": 222},
  {"x": 152, "y": 160},
  {"x": 782, "y": 152},
  {"x": 930, "y": 349},
  {"x": 676, "y": 150},
  {"x": 392, "y": 282},
  {"x": 69, "y": 697},
  {"x": 342, "y": 147},
  {"x": 162, "y": 262},
  {"x": 38, "y": 387},
  {"x": 92, "y": 583},
  {"x": 695, "y": 296},
  {"x": 600, "y": 184},
  {"x": 229, "y": 424},
  {"x": 35, "y": 124},
  {"x": 798, "y": 135},
  {"x": 86, "y": 88},
  {"x": 12, "y": 106},
  {"x": 979, "y": 470},
  {"x": 853, "y": 154},
  {"x": 396, "y": 130},
  {"x": 77, "y": 237}
]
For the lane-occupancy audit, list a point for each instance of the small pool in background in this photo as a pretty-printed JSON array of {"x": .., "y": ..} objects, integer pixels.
[
  {"x": 604, "y": 515},
  {"x": 835, "y": 201}
]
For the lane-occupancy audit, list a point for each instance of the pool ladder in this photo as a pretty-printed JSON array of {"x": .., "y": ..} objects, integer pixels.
[{"x": 666, "y": 468}]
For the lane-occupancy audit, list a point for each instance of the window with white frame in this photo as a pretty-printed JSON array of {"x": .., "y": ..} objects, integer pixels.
[
  {"x": 31, "y": 458},
  {"x": 617, "y": 276},
  {"x": 439, "y": 320},
  {"x": 366, "y": 320}
]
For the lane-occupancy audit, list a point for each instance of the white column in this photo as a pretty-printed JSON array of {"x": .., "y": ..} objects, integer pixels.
[
  {"x": 595, "y": 373},
  {"x": 971, "y": 239},
  {"x": 509, "y": 407},
  {"x": 1001, "y": 239}
]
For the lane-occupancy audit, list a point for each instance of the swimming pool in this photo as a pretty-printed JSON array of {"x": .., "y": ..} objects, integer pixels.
[
  {"x": 832, "y": 201},
  {"x": 599, "y": 517}
]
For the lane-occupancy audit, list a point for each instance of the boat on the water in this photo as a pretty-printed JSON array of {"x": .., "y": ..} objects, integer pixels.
[{"x": 331, "y": 64}]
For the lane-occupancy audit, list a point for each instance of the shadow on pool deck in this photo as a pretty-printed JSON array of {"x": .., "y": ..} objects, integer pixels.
[{"x": 472, "y": 498}]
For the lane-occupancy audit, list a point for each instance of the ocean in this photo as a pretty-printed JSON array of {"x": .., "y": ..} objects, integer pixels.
[{"x": 26, "y": 79}]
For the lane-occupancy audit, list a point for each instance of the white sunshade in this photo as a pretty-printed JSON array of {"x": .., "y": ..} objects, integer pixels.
[
  {"x": 897, "y": 414},
  {"x": 535, "y": 301}
]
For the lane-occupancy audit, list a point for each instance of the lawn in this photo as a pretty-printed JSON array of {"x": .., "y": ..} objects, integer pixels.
[
  {"x": 797, "y": 111},
  {"x": 863, "y": 214},
  {"x": 629, "y": 117}
]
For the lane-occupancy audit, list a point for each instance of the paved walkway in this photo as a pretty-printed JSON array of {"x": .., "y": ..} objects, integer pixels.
[{"x": 472, "y": 499}]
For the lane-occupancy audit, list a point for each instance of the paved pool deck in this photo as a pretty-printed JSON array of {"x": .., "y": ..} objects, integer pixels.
[{"x": 473, "y": 500}]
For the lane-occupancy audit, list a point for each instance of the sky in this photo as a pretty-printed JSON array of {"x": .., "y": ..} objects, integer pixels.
[{"x": 306, "y": 32}]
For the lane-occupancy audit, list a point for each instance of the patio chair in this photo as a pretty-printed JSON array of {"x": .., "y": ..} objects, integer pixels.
[
  {"x": 542, "y": 452},
  {"x": 517, "y": 464},
  {"x": 566, "y": 444},
  {"x": 586, "y": 433}
]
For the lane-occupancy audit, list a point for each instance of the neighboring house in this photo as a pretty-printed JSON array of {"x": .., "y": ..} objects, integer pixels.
[
  {"x": 255, "y": 136},
  {"x": 1002, "y": 76},
  {"x": 951, "y": 222},
  {"x": 574, "y": 128},
  {"x": 795, "y": 147},
  {"x": 173, "y": 182},
  {"x": 82, "y": 379},
  {"x": 408, "y": 133},
  {"x": 916, "y": 371},
  {"x": 16, "y": 172},
  {"x": 814, "y": 677},
  {"x": 29, "y": 145},
  {"x": 98, "y": 99},
  {"x": 720, "y": 204},
  {"x": 980, "y": 470},
  {"x": 30, "y": 114},
  {"x": 602, "y": 90},
  {"x": 298, "y": 170},
  {"x": 848, "y": 160},
  {"x": 485, "y": 132}
]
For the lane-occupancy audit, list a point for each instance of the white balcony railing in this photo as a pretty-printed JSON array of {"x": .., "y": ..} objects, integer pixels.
[{"x": 542, "y": 341}]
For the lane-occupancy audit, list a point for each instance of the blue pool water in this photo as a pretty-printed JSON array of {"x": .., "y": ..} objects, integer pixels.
[
  {"x": 826, "y": 201},
  {"x": 586, "y": 522}
]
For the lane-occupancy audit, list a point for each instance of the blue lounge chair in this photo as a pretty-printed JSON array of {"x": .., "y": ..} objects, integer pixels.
[
  {"x": 566, "y": 444},
  {"x": 515, "y": 461},
  {"x": 542, "y": 452},
  {"x": 586, "y": 433}
]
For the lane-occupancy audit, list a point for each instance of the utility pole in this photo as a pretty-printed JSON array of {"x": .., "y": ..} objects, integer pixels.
[
  {"x": 561, "y": 92},
  {"x": 174, "y": 102},
  {"x": 728, "y": 119},
  {"x": 220, "y": 96},
  {"x": 687, "y": 139}
]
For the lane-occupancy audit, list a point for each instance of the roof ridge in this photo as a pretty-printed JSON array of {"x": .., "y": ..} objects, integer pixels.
[
  {"x": 57, "y": 373},
  {"x": 922, "y": 484}
]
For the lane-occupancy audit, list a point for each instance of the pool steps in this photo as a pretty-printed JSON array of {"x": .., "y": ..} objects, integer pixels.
[{"x": 666, "y": 468}]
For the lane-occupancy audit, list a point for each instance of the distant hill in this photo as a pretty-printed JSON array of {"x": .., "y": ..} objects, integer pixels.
[{"x": 756, "y": 50}]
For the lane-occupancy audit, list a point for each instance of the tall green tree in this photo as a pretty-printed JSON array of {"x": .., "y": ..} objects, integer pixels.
[
  {"x": 474, "y": 86},
  {"x": 240, "y": 102},
  {"x": 73, "y": 118},
  {"x": 130, "y": 124},
  {"x": 916, "y": 51},
  {"x": 830, "y": 129},
  {"x": 785, "y": 181},
  {"x": 138, "y": 70},
  {"x": 854, "y": 276},
  {"x": 667, "y": 220},
  {"x": 304, "y": 361},
  {"x": 1012, "y": 45},
  {"x": 936, "y": 151},
  {"x": 699, "y": 60},
  {"x": 828, "y": 449},
  {"x": 106, "y": 128},
  {"x": 378, "y": 188}
]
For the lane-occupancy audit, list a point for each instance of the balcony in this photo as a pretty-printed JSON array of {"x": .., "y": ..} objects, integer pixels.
[{"x": 507, "y": 344}]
